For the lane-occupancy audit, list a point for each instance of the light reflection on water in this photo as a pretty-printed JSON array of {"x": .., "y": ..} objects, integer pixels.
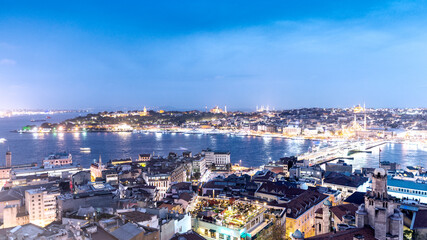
[{"x": 253, "y": 151}]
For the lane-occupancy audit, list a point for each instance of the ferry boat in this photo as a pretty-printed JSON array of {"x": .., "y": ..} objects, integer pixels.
[
  {"x": 2, "y": 140},
  {"x": 37, "y": 120},
  {"x": 85, "y": 150}
]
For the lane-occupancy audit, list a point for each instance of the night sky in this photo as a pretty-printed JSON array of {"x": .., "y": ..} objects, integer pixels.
[{"x": 188, "y": 54}]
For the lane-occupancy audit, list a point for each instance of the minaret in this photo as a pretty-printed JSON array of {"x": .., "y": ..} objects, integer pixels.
[
  {"x": 225, "y": 108},
  {"x": 8, "y": 158},
  {"x": 100, "y": 161},
  {"x": 364, "y": 122}
]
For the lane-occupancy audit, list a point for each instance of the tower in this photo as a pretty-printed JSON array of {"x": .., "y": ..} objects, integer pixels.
[
  {"x": 382, "y": 211},
  {"x": 364, "y": 120},
  {"x": 361, "y": 216},
  {"x": 225, "y": 108},
  {"x": 326, "y": 216},
  {"x": 323, "y": 218},
  {"x": 8, "y": 158}
]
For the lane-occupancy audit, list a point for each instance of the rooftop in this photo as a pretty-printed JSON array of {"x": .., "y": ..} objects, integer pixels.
[
  {"x": 127, "y": 231},
  {"x": 137, "y": 216},
  {"x": 230, "y": 213}
]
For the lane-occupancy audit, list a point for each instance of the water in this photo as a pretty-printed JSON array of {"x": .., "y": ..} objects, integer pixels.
[{"x": 252, "y": 151}]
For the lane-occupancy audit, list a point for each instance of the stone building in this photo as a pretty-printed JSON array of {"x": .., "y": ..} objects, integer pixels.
[
  {"x": 380, "y": 211},
  {"x": 377, "y": 218}
]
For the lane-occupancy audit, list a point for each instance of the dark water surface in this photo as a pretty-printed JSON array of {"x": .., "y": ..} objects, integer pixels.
[{"x": 252, "y": 151}]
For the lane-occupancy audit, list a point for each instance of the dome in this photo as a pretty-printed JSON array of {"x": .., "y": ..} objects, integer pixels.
[
  {"x": 327, "y": 203},
  {"x": 379, "y": 171},
  {"x": 297, "y": 234}
]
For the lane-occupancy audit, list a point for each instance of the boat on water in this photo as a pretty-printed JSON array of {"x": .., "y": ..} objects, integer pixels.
[
  {"x": 37, "y": 120},
  {"x": 213, "y": 132},
  {"x": 194, "y": 131},
  {"x": 85, "y": 150},
  {"x": 2, "y": 140}
]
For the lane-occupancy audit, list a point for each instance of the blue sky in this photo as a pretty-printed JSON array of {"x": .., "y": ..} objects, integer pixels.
[{"x": 188, "y": 54}]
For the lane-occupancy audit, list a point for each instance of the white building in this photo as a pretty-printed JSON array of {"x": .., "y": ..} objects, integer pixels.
[
  {"x": 199, "y": 165},
  {"x": 218, "y": 159},
  {"x": 41, "y": 206}
]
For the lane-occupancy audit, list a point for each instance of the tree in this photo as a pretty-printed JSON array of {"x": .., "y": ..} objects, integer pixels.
[
  {"x": 196, "y": 176},
  {"x": 275, "y": 231}
]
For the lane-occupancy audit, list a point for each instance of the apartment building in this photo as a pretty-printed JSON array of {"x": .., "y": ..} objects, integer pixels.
[{"x": 41, "y": 206}]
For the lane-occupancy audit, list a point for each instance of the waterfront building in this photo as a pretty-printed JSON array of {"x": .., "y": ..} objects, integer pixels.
[
  {"x": 96, "y": 170},
  {"x": 4, "y": 176},
  {"x": 41, "y": 206},
  {"x": 216, "y": 110},
  {"x": 291, "y": 131},
  {"x": 389, "y": 166},
  {"x": 404, "y": 189},
  {"x": 144, "y": 157},
  {"x": 52, "y": 172},
  {"x": 115, "y": 162},
  {"x": 58, "y": 159}
]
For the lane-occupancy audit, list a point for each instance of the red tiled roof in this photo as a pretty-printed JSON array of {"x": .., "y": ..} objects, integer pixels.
[
  {"x": 344, "y": 209},
  {"x": 367, "y": 233},
  {"x": 302, "y": 203}
]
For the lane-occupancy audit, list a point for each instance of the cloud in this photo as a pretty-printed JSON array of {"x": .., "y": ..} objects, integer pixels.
[{"x": 6, "y": 61}]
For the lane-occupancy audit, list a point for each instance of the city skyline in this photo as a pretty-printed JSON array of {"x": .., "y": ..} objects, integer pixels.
[{"x": 187, "y": 55}]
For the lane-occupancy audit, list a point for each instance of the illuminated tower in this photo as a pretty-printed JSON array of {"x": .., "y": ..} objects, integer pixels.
[
  {"x": 8, "y": 158},
  {"x": 364, "y": 121},
  {"x": 225, "y": 109}
]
